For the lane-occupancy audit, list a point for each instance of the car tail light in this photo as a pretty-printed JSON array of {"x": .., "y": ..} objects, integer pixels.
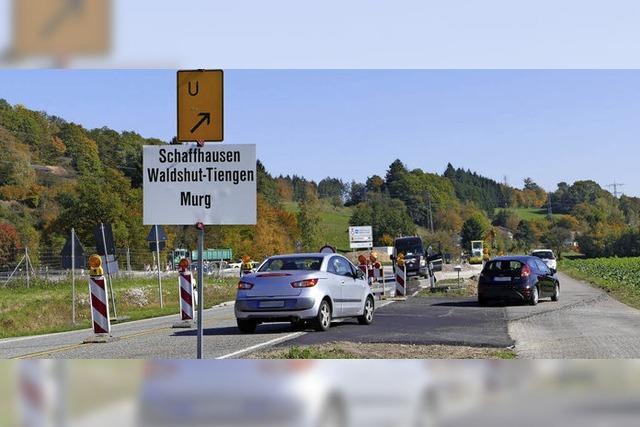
[
  {"x": 526, "y": 271},
  {"x": 309, "y": 283},
  {"x": 245, "y": 285}
]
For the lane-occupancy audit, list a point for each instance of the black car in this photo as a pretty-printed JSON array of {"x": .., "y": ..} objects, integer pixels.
[{"x": 520, "y": 278}]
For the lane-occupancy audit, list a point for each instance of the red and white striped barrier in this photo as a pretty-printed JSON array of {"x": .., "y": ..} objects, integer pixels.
[
  {"x": 377, "y": 281},
  {"x": 99, "y": 305},
  {"x": 401, "y": 280},
  {"x": 186, "y": 296}
]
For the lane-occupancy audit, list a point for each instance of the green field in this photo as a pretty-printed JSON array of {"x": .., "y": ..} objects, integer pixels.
[
  {"x": 529, "y": 214},
  {"x": 45, "y": 307},
  {"x": 618, "y": 276},
  {"x": 335, "y": 223}
]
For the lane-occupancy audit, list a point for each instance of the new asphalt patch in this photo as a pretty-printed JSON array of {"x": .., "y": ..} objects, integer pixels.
[{"x": 452, "y": 321}]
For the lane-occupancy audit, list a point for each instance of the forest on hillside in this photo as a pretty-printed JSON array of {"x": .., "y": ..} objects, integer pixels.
[{"x": 55, "y": 175}]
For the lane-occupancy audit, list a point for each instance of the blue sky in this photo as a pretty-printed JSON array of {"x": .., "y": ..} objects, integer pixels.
[{"x": 550, "y": 125}]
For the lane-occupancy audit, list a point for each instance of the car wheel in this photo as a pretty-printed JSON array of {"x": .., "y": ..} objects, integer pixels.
[
  {"x": 556, "y": 293},
  {"x": 534, "y": 296},
  {"x": 367, "y": 316},
  {"x": 247, "y": 326},
  {"x": 323, "y": 319}
]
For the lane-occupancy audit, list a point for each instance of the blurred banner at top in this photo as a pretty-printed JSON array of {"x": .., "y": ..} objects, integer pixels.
[{"x": 328, "y": 34}]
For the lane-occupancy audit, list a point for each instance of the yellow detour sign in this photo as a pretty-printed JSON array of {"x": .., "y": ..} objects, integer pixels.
[
  {"x": 200, "y": 105},
  {"x": 61, "y": 27}
]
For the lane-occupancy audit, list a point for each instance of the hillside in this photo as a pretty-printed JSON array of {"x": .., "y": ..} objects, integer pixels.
[{"x": 334, "y": 223}]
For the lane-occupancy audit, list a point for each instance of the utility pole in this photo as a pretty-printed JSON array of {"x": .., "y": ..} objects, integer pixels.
[
  {"x": 549, "y": 208},
  {"x": 615, "y": 186}
]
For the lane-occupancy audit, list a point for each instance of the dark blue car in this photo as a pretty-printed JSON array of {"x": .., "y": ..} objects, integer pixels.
[{"x": 517, "y": 278}]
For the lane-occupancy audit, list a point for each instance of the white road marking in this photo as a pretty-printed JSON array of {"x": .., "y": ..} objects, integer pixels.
[{"x": 264, "y": 344}]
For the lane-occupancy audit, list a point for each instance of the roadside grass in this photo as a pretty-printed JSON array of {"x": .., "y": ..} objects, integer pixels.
[
  {"x": 450, "y": 288},
  {"x": 335, "y": 222},
  {"x": 351, "y": 350},
  {"x": 620, "y": 277},
  {"x": 45, "y": 307}
]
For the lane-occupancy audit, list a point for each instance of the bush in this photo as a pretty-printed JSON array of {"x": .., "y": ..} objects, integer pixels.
[{"x": 476, "y": 260}]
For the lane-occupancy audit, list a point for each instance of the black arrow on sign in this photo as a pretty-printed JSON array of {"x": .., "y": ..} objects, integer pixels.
[{"x": 205, "y": 116}]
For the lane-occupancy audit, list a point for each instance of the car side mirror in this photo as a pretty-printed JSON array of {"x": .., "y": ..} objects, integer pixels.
[
  {"x": 392, "y": 257},
  {"x": 359, "y": 274}
]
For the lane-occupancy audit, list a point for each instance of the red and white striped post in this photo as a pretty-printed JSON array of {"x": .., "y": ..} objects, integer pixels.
[
  {"x": 401, "y": 280},
  {"x": 377, "y": 274},
  {"x": 185, "y": 289},
  {"x": 99, "y": 302}
]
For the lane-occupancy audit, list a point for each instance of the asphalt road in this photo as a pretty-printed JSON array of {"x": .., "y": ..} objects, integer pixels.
[
  {"x": 151, "y": 339},
  {"x": 585, "y": 324},
  {"x": 455, "y": 321}
]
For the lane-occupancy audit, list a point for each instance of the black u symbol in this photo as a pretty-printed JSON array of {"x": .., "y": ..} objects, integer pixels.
[{"x": 194, "y": 93}]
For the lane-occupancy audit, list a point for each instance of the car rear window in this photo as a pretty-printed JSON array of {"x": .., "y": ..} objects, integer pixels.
[
  {"x": 292, "y": 263},
  {"x": 502, "y": 267},
  {"x": 544, "y": 255}
]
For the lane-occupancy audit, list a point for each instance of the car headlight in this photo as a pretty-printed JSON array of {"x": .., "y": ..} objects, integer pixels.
[{"x": 423, "y": 263}]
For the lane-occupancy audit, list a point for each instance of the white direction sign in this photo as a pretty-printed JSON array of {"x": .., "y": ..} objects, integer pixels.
[
  {"x": 361, "y": 237},
  {"x": 186, "y": 184}
]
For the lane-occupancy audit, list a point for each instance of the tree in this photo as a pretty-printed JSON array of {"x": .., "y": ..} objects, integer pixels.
[
  {"x": 524, "y": 235},
  {"x": 357, "y": 193},
  {"x": 309, "y": 222},
  {"x": 331, "y": 188},
  {"x": 389, "y": 218},
  {"x": 9, "y": 243},
  {"x": 474, "y": 228},
  {"x": 556, "y": 239}
]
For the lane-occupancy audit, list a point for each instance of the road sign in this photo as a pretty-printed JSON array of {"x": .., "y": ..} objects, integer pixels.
[
  {"x": 162, "y": 236},
  {"x": 200, "y": 105},
  {"x": 61, "y": 27},
  {"x": 103, "y": 234},
  {"x": 73, "y": 254},
  {"x": 212, "y": 185},
  {"x": 361, "y": 237}
]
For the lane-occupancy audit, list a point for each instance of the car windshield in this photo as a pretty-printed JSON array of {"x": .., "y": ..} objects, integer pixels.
[
  {"x": 544, "y": 254},
  {"x": 502, "y": 267},
  {"x": 292, "y": 263},
  {"x": 410, "y": 248}
]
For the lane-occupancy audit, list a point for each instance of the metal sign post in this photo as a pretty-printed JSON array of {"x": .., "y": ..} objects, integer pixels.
[
  {"x": 73, "y": 276},
  {"x": 200, "y": 287},
  {"x": 158, "y": 263}
]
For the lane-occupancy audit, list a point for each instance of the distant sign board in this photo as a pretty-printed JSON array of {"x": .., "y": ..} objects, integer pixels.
[
  {"x": 200, "y": 105},
  {"x": 186, "y": 185},
  {"x": 361, "y": 237}
]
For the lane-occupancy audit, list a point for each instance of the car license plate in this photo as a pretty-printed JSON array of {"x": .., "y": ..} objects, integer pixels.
[
  {"x": 271, "y": 304},
  {"x": 502, "y": 279}
]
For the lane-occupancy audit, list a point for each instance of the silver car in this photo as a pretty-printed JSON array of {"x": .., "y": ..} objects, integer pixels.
[{"x": 301, "y": 289}]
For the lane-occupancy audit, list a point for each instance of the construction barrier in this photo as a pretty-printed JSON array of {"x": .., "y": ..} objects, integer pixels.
[
  {"x": 99, "y": 299},
  {"x": 400, "y": 273},
  {"x": 377, "y": 280},
  {"x": 185, "y": 291}
]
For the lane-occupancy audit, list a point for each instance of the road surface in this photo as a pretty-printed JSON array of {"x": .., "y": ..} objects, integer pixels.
[{"x": 586, "y": 324}]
